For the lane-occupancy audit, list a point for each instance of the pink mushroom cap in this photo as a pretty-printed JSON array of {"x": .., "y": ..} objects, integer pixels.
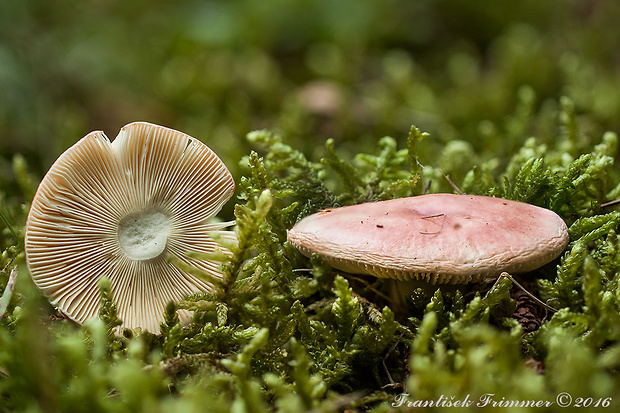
[{"x": 440, "y": 238}]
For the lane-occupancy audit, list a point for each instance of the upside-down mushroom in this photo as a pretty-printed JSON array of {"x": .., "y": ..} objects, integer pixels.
[
  {"x": 119, "y": 210},
  {"x": 439, "y": 238}
]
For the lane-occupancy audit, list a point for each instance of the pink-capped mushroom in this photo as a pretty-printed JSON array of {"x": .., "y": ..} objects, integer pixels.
[
  {"x": 119, "y": 210},
  {"x": 438, "y": 238}
]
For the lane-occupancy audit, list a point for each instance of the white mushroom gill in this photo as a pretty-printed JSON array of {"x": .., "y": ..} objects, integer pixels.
[{"x": 119, "y": 210}]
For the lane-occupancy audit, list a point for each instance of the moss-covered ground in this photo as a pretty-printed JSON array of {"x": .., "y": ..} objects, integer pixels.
[{"x": 311, "y": 105}]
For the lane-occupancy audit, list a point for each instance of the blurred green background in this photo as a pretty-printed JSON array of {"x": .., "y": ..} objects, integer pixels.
[
  {"x": 481, "y": 77},
  {"x": 353, "y": 70}
]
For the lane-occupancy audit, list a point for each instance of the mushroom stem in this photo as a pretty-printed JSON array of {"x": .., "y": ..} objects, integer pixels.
[{"x": 399, "y": 291}]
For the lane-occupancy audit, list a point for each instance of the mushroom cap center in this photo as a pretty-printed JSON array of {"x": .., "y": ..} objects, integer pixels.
[{"x": 143, "y": 235}]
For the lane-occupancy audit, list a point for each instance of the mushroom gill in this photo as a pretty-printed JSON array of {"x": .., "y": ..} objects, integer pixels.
[{"x": 119, "y": 210}]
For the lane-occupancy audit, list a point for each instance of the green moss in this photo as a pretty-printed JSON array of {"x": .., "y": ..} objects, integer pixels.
[{"x": 520, "y": 104}]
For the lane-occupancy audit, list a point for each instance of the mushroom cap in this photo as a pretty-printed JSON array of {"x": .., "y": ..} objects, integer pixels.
[
  {"x": 440, "y": 238},
  {"x": 118, "y": 210}
]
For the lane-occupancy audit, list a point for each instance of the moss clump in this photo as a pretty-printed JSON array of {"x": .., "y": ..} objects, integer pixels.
[{"x": 284, "y": 332}]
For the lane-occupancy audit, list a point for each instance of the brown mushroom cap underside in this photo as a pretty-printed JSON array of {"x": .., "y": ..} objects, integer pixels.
[
  {"x": 119, "y": 210},
  {"x": 440, "y": 238}
]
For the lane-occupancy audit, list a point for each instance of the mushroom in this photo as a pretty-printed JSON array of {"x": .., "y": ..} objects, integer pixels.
[
  {"x": 119, "y": 210},
  {"x": 438, "y": 238}
]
